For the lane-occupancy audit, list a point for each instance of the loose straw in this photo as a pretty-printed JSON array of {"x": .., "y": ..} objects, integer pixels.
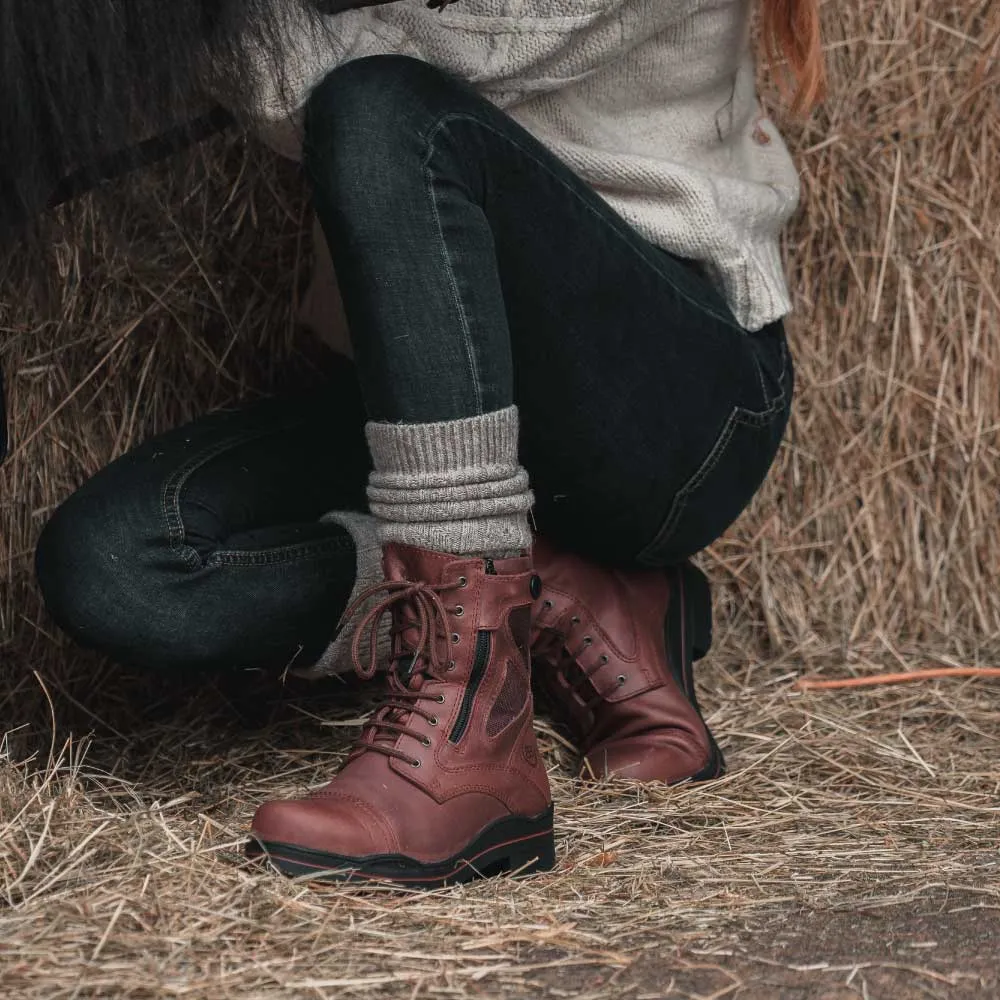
[{"x": 816, "y": 684}]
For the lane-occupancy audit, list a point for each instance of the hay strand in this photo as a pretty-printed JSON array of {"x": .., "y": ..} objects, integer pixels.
[{"x": 936, "y": 673}]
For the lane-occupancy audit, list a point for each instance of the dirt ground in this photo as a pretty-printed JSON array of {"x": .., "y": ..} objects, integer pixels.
[
  {"x": 937, "y": 945},
  {"x": 940, "y": 945}
]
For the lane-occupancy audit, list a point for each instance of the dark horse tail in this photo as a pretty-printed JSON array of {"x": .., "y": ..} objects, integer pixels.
[
  {"x": 142, "y": 154},
  {"x": 85, "y": 84}
]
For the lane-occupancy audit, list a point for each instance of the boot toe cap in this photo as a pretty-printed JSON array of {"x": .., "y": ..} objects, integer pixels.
[
  {"x": 646, "y": 760},
  {"x": 329, "y": 827}
]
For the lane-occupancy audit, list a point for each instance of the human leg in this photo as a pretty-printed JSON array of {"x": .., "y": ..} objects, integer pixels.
[
  {"x": 204, "y": 547},
  {"x": 471, "y": 266},
  {"x": 649, "y": 417}
]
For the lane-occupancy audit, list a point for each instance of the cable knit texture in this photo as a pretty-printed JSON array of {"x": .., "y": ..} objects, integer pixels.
[
  {"x": 652, "y": 102},
  {"x": 454, "y": 486}
]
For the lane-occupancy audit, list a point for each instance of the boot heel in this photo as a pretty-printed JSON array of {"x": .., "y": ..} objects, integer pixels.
[
  {"x": 698, "y": 608},
  {"x": 527, "y": 846},
  {"x": 539, "y": 856},
  {"x": 698, "y": 636}
]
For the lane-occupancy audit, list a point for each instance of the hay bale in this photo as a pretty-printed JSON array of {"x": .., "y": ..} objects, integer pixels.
[{"x": 878, "y": 531}]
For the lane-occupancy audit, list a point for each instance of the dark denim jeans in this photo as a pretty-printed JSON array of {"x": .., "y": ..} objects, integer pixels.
[{"x": 476, "y": 270}]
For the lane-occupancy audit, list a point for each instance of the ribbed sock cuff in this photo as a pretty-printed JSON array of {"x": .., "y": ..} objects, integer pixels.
[{"x": 454, "y": 486}]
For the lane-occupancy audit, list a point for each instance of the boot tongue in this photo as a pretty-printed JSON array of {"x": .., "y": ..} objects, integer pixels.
[
  {"x": 404, "y": 668},
  {"x": 509, "y": 566},
  {"x": 410, "y": 679},
  {"x": 404, "y": 562}
]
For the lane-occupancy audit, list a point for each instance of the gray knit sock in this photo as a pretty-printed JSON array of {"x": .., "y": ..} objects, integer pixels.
[
  {"x": 454, "y": 486},
  {"x": 363, "y": 529}
]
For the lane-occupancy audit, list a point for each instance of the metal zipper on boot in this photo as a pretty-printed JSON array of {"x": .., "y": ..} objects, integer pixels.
[{"x": 484, "y": 643}]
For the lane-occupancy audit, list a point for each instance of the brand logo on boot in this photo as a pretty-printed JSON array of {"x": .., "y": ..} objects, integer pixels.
[{"x": 530, "y": 753}]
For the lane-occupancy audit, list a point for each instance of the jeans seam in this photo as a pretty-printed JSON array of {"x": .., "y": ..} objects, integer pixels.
[
  {"x": 238, "y": 559},
  {"x": 738, "y": 416},
  {"x": 786, "y": 365},
  {"x": 764, "y": 394},
  {"x": 174, "y": 484},
  {"x": 445, "y": 257},
  {"x": 619, "y": 226}
]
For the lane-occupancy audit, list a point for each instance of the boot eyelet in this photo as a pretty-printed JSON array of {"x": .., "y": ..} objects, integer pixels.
[
  {"x": 440, "y": 699},
  {"x": 587, "y": 640},
  {"x": 604, "y": 657},
  {"x": 433, "y": 720},
  {"x": 450, "y": 665},
  {"x": 547, "y": 604},
  {"x": 426, "y": 742},
  {"x": 455, "y": 638},
  {"x": 459, "y": 611},
  {"x": 621, "y": 679},
  {"x": 463, "y": 581},
  {"x": 414, "y": 763},
  {"x": 575, "y": 619}
]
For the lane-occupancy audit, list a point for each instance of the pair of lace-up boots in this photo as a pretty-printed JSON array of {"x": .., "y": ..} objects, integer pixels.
[{"x": 445, "y": 783}]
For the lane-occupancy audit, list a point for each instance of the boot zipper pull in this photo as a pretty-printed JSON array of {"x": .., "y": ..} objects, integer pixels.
[{"x": 491, "y": 570}]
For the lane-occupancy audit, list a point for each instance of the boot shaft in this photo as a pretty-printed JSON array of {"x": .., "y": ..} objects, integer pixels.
[
  {"x": 446, "y": 781},
  {"x": 614, "y": 652},
  {"x": 482, "y": 723}
]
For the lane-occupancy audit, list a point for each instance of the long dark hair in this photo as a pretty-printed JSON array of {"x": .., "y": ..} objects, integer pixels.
[{"x": 80, "y": 79}]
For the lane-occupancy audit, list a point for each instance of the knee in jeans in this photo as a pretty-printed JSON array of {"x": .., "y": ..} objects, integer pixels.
[
  {"x": 96, "y": 587},
  {"x": 376, "y": 91},
  {"x": 359, "y": 118}
]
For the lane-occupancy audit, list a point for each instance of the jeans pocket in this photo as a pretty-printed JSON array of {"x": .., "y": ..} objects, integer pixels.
[{"x": 723, "y": 485}]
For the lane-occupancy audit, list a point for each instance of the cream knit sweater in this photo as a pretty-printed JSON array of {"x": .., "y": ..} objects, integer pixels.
[{"x": 652, "y": 102}]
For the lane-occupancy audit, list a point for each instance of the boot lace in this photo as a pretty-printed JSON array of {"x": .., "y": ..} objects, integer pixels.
[
  {"x": 559, "y": 649},
  {"x": 405, "y": 691}
]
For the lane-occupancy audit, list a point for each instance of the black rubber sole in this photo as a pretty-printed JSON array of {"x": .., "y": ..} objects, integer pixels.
[
  {"x": 520, "y": 844},
  {"x": 688, "y": 635}
]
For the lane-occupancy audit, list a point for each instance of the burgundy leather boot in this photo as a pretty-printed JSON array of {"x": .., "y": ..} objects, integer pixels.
[
  {"x": 445, "y": 783},
  {"x": 613, "y": 654}
]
